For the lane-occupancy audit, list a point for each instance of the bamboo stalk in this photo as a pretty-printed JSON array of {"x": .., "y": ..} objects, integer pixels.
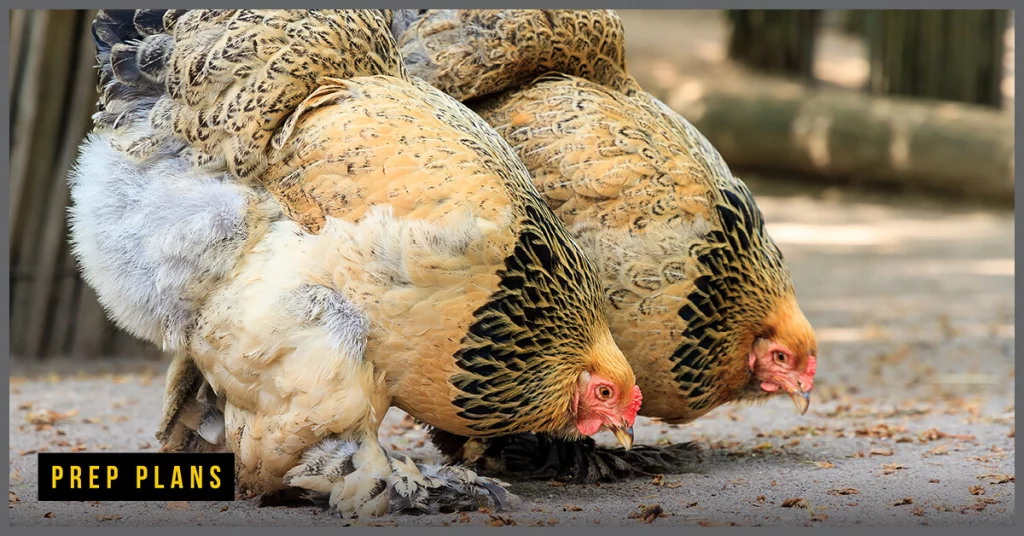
[
  {"x": 19, "y": 21},
  {"x": 54, "y": 232},
  {"x": 91, "y": 327},
  {"x": 939, "y": 54},
  {"x": 21, "y": 133}
]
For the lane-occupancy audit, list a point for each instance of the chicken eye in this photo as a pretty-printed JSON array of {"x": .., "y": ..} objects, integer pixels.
[
  {"x": 604, "y": 392},
  {"x": 781, "y": 358}
]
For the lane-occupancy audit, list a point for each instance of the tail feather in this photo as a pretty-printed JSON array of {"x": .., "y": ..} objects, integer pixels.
[
  {"x": 132, "y": 49},
  {"x": 221, "y": 82},
  {"x": 192, "y": 421}
]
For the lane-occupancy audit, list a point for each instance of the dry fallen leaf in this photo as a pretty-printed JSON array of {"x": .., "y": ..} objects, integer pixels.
[
  {"x": 794, "y": 502},
  {"x": 880, "y": 452},
  {"x": 464, "y": 517},
  {"x": 999, "y": 479},
  {"x": 500, "y": 521},
  {"x": 108, "y": 517},
  {"x": 917, "y": 511},
  {"x": 177, "y": 505},
  {"x": 978, "y": 506},
  {"x": 658, "y": 479},
  {"x": 891, "y": 468},
  {"x": 824, "y": 465},
  {"x": 976, "y": 490},
  {"x": 934, "y": 481},
  {"x": 905, "y": 500},
  {"x": 651, "y": 513},
  {"x": 933, "y": 434},
  {"x": 13, "y": 497},
  {"x": 939, "y": 450},
  {"x": 844, "y": 491},
  {"x": 571, "y": 508},
  {"x": 49, "y": 515},
  {"x": 48, "y": 416}
]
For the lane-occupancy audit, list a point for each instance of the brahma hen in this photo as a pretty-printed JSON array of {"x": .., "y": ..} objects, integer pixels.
[
  {"x": 317, "y": 236},
  {"x": 703, "y": 305}
]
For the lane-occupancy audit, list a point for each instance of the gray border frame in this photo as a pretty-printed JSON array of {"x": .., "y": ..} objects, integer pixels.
[{"x": 577, "y": 4}]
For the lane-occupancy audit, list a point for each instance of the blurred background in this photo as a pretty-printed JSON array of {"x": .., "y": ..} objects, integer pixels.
[{"x": 916, "y": 102}]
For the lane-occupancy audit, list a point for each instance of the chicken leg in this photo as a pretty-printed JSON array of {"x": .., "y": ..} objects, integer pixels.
[{"x": 350, "y": 474}]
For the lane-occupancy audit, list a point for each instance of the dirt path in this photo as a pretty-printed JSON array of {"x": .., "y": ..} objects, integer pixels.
[{"x": 911, "y": 420}]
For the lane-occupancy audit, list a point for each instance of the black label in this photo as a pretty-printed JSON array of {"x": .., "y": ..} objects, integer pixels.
[{"x": 94, "y": 476}]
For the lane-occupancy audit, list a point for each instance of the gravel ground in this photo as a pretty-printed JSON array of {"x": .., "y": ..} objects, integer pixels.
[{"x": 911, "y": 421}]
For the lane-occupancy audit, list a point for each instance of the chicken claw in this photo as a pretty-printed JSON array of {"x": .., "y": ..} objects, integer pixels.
[
  {"x": 423, "y": 488},
  {"x": 363, "y": 480},
  {"x": 353, "y": 474}
]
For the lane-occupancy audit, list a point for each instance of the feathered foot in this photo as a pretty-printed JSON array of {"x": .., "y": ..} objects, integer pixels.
[
  {"x": 420, "y": 488},
  {"x": 532, "y": 457},
  {"x": 353, "y": 474},
  {"x": 363, "y": 480}
]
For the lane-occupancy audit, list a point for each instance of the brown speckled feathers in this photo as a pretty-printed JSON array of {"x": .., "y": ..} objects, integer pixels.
[
  {"x": 681, "y": 256},
  {"x": 681, "y": 245},
  {"x": 389, "y": 248},
  {"x": 692, "y": 276}
]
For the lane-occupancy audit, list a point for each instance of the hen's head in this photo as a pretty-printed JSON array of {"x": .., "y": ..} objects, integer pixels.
[
  {"x": 783, "y": 357},
  {"x": 607, "y": 397}
]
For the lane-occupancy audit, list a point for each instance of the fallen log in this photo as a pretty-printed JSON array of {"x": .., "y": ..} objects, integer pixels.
[{"x": 844, "y": 136}]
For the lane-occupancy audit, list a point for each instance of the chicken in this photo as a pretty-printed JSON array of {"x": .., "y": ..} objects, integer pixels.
[
  {"x": 703, "y": 305},
  {"x": 316, "y": 236}
]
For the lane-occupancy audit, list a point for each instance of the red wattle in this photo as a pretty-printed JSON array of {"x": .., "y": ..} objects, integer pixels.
[{"x": 590, "y": 426}]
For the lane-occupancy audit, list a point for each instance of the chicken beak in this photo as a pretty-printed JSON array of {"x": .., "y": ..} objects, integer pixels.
[
  {"x": 801, "y": 398},
  {"x": 624, "y": 435}
]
